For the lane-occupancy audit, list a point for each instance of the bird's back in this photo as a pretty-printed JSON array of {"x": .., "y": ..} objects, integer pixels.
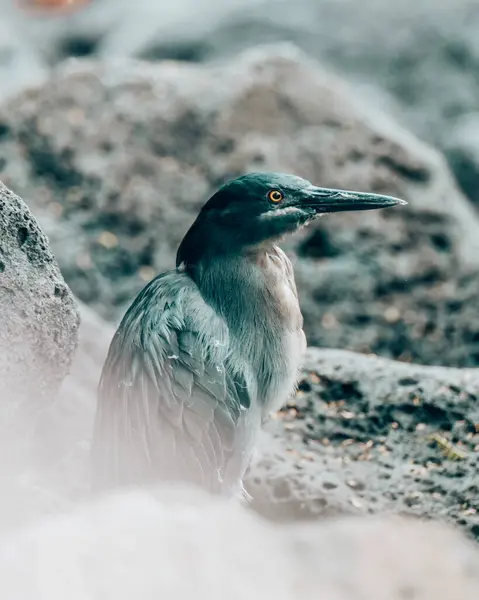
[{"x": 171, "y": 406}]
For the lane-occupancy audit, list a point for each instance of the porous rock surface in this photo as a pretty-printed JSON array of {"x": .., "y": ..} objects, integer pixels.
[
  {"x": 38, "y": 334},
  {"x": 39, "y": 319},
  {"x": 366, "y": 435},
  {"x": 177, "y": 543}
]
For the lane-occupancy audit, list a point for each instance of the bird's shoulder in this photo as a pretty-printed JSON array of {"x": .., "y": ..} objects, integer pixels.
[
  {"x": 171, "y": 328},
  {"x": 168, "y": 372},
  {"x": 171, "y": 332},
  {"x": 171, "y": 302}
]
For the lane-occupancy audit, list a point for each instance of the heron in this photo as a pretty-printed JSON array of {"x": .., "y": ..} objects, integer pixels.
[{"x": 208, "y": 350}]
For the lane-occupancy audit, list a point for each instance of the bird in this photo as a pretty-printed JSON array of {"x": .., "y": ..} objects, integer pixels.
[{"x": 208, "y": 350}]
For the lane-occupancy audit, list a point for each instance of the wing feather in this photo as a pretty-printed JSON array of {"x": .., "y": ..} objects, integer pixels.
[{"x": 169, "y": 405}]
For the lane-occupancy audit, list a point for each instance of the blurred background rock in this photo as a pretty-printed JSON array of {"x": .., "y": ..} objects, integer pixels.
[{"x": 418, "y": 57}]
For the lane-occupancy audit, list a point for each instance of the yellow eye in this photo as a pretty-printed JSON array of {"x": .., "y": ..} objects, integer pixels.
[{"x": 275, "y": 196}]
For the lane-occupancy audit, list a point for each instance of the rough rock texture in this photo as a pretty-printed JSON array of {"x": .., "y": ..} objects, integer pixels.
[
  {"x": 182, "y": 545},
  {"x": 117, "y": 159},
  {"x": 39, "y": 322},
  {"x": 361, "y": 436},
  {"x": 38, "y": 335}
]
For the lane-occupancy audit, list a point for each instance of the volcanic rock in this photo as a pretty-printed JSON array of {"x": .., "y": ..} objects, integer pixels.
[{"x": 367, "y": 435}]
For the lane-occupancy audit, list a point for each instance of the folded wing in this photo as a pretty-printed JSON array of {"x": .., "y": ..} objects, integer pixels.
[{"x": 170, "y": 405}]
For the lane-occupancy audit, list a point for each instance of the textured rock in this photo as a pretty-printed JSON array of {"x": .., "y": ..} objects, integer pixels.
[
  {"x": 39, "y": 318},
  {"x": 38, "y": 335},
  {"x": 358, "y": 439},
  {"x": 184, "y": 546},
  {"x": 118, "y": 158}
]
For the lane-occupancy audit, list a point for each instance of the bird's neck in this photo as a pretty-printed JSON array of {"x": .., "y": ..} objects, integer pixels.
[
  {"x": 255, "y": 295},
  {"x": 235, "y": 286}
]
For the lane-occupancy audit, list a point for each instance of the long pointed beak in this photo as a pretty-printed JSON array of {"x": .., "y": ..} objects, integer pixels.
[{"x": 324, "y": 200}]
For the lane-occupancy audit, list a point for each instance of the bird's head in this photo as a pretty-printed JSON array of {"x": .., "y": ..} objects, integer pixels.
[{"x": 262, "y": 207}]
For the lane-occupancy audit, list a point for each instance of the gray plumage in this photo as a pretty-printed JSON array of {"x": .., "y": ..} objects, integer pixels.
[{"x": 207, "y": 350}]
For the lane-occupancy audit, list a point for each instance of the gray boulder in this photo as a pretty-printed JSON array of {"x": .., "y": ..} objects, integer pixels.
[
  {"x": 367, "y": 435},
  {"x": 180, "y": 544},
  {"x": 38, "y": 335},
  {"x": 39, "y": 318}
]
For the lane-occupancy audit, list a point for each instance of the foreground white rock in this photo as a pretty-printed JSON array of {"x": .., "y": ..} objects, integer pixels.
[{"x": 179, "y": 544}]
